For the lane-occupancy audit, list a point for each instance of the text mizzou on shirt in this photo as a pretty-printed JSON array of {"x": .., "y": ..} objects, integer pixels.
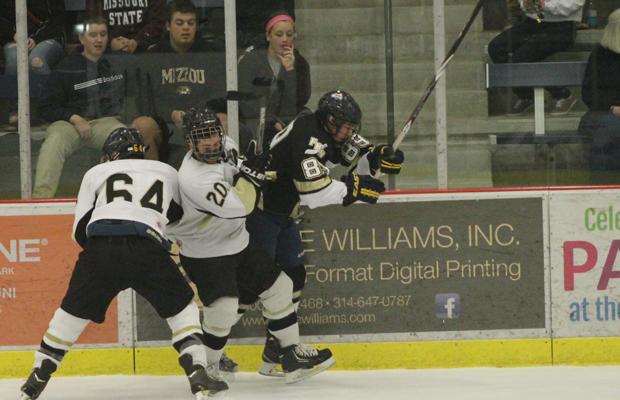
[{"x": 178, "y": 81}]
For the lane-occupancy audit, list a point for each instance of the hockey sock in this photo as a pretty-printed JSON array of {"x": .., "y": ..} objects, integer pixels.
[
  {"x": 187, "y": 334},
  {"x": 194, "y": 346},
  {"x": 64, "y": 329},
  {"x": 276, "y": 300},
  {"x": 286, "y": 330},
  {"x": 298, "y": 276},
  {"x": 219, "y": 317}
]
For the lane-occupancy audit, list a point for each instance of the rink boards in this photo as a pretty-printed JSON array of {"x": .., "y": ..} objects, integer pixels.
[{"x": 421, "y": 280}]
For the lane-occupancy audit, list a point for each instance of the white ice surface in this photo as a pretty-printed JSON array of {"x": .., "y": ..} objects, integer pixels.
[{"x": 544, "y": 383}]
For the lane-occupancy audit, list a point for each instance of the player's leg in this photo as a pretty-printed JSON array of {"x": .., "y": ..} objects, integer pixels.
[
  {"x": 274, "y": 288},
  {"x": 160, "y": 282},
  {"x": 215, "y": 279},
  {"x": 88, "y": 296},
  {"x": 63, "y": 331},
  {"x": 290, "y": 256},
  {"x": 279, "y": 237}
]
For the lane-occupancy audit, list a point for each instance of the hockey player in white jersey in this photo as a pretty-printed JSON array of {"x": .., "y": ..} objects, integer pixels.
[
  {"x": 229, "y": 271},
  {"x": 123, "y": 207}
]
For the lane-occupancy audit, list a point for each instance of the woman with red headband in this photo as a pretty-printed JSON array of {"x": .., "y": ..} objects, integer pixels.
[{"x": 275, "y": 79}]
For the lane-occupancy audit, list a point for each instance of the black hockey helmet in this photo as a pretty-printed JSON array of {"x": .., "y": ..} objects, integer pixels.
[
  {"x": 337, "y": 108},
  {"x": 204, "y": 124},
  {"x": 123, "y": 143}
]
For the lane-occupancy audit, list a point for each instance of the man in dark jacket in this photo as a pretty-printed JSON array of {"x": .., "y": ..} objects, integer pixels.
[{"x": 83, "y": 102}]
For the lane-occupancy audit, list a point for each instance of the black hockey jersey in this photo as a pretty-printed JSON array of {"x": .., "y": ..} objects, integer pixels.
[{"x": 302, "y": 155}]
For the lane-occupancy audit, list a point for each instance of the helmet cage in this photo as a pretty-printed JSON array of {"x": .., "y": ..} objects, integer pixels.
[{"x": 204, "y": 125}]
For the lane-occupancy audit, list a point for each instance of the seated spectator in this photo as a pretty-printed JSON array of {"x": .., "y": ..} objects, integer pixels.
[
  {"x": 133, "y": 25},
  {"x": 601, "y": 93},
  {"x": 276, "y": 78},
  {"x": 83, "y": 101},
  {"x": 45, "y": 38},
  {"x": 536, "y": 38},
  {"x": 251, "y": 17},
  {"x": 176, "y": 74}
]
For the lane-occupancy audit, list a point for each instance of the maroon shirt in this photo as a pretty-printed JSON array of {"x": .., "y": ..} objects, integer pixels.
[{"x": 141, "y": 20}]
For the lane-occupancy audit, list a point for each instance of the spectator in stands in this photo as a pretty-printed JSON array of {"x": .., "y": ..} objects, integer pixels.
[
  {"x": 276, "y": 78},
  {"x": 46, "y": 38},
  {"x": 536, "y": 38},
  {"x": 251, "y": 17},
  {"x": 601, "y": 93},
  {"x": 176, "y": 74},
  {"x": 133, "y": 26},
  {"x": 83, "y": 101}
]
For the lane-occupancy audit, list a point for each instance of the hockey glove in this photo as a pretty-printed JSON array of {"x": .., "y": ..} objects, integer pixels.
[
  {"x": 384, "y": 158},
  {"x": 253, "y": 168},
  {"x": 362, "y": 188}
]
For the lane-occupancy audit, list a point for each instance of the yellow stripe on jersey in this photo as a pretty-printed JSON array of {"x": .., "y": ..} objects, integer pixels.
[
  {"x": 247, "y": 194},
  {"x": 306, "y": 187},
  {"x": 205, "y": 222}
]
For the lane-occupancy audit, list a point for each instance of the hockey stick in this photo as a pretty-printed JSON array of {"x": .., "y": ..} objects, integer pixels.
[
  {"x": 261, "y": 129},
  {"x": 438, "y": 74}
]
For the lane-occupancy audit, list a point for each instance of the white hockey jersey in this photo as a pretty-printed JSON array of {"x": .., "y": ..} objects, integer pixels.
[
  {"x": 134, "y": 190},
  {"x": 214, "y": 210}
]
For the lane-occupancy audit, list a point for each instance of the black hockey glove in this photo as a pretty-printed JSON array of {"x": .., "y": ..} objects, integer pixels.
[
  {"x": 362, "y": 188},
  {"x": 385, "y": 158},
  {"x": 253, "y": 168}
]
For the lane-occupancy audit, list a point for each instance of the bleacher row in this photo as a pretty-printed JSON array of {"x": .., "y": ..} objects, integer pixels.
[{"x": 569, "y": 73}]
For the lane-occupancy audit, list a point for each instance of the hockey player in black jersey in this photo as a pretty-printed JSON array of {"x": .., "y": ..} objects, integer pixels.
[
  {"x": 231, "y": 272},
  {"x": 302, "y": 155},
  {"x": 122, "y": 208}
]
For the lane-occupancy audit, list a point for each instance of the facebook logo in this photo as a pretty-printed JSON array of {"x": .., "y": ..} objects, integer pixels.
[{"x": 447, "y": 305}]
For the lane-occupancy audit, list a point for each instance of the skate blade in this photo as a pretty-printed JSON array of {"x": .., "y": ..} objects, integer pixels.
[
  {"x": 302, "y": 374},
  {"x": 271, "y": 369},
  {"x": 24, "y": 396},
  {"x": 210, "y": 394},
  {"x": 227, "y": 376}
]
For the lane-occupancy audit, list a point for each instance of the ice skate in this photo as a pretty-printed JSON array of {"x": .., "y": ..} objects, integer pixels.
[
  {"x": 300, "y": 362},
  {"x": 271, "y": 358},
  {"x": 228, "y": 367},
  {"x": 203, "y": 384},
  {"x": 37, "y": 380}
]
